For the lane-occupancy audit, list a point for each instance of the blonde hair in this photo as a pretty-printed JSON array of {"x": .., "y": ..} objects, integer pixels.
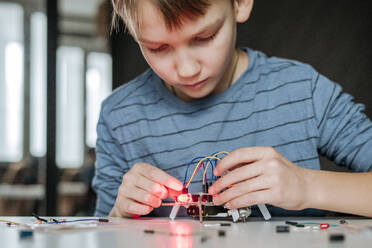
[{"x": 175, "y": 12}]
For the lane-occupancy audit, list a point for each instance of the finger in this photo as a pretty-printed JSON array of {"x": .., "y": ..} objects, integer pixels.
[
  {"x": 152, "y": 187},
  {"x": 136, "y": 208},
  {"x": 142, "y": 196},
  {"x": 173, "y": 194},
  {"x": 252, "y": 185},
  {"x": 240, "y": 174},
  {"x": 157, "y": 175},
  {"x": 241, "y": 156},
  {"x": 250, "y": 199}
]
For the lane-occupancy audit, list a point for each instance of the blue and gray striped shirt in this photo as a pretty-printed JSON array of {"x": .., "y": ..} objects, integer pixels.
[{"x": 276, "y": 102}]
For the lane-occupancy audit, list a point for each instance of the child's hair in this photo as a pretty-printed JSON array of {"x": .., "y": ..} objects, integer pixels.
[{"x": 174, "y": 12}]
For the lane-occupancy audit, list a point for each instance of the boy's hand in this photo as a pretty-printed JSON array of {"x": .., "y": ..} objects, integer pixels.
[
  {"x": 259, "y": 175},
  {"x": 142, "y": 189}
]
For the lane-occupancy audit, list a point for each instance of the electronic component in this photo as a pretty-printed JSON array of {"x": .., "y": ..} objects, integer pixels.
[
  {"x": 336, "y": 237},
  {"x": 203, "y": 239},
  {"x": 23, "y": 234},
  {"x": 221, "y": 233},
  {"x": 343, "y": 222},
  {"x": 200, "y": 204},
  {"x": 217, "y": 224},
  {"x": 282, "y": 229}
]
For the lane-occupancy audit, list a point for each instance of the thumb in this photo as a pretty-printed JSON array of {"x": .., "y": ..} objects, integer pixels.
[{"x": 173, "y": 194}]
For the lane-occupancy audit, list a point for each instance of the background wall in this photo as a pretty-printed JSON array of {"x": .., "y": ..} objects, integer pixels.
[{"x": 333, "y": 36}]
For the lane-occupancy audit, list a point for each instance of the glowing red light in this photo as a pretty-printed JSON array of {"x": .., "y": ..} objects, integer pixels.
[{"x": 184, "y": 198}]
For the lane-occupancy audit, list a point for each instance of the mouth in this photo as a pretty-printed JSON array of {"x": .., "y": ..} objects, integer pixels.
[{"x": 195, "y": 85}]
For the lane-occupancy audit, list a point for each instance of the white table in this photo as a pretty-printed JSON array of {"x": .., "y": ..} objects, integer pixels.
[{"x": 183, "y": 233}]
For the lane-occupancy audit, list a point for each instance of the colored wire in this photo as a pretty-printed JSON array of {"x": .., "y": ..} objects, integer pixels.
[
  {"x": 196, "y": 169},
  {"x": 316, "y": 223},
  {"x": 55, "y": 221},
  {"x": 215, "y": 164},
  {"x": 198, "y": 158},
  {"x": 218, "y": 153},
  {"x": 195, "y": 172},
  {"x": 215, "y": 160},
  {"x": 11, "y": 222},
  {"x": 188, "y": 166},
  {"x": 205, "y": 162},
  {"x": 207, "y": 168},
  {"x": 209, "y": 158},
  {"x": 39, "y": 218},
  {"x": 71, "y": 221}
]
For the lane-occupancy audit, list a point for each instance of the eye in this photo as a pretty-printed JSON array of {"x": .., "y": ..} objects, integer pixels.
[
  {"x": 206, "y": 39},
  {"x": 159, "y": 49}
]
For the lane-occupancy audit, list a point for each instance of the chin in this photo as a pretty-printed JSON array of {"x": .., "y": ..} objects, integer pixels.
[{"x": 198, "y": 96}]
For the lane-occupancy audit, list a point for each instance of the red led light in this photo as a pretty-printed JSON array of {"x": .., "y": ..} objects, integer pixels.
[{"x": 184, "y": 198}]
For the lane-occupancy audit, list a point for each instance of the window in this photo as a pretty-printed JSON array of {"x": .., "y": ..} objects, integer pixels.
[
  {"x": 70, "y": 110},
  {"x": 11, "y": 82},
  {"x": 81, "y": 76},
  {"x": 98, "y": 86},
  {"x": 38, "y": 84}
]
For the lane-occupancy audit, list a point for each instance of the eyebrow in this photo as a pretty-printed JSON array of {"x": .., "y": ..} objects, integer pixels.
[{"x": 215, "y": 26}]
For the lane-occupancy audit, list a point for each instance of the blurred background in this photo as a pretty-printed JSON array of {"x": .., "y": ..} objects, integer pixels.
[
  {"x": 58, "y": 62},
  {"x": 31, "y": 178}
]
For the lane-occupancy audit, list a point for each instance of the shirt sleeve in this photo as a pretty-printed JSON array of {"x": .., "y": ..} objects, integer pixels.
[
  {"x": 110, "y": 167},
  {"x": 345, "y": 132}
]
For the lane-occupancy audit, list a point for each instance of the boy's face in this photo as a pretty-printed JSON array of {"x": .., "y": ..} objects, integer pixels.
[{"x": 195, "y": 59}]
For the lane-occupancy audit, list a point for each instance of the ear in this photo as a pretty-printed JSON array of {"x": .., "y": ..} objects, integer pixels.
[{"x": 243, "y": 9}]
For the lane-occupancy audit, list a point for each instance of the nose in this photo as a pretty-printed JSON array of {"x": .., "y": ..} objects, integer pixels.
[{"x": 187, "y": 65}]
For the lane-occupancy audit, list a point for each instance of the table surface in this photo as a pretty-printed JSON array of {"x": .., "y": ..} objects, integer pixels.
[{"x": 182, "y": 233}]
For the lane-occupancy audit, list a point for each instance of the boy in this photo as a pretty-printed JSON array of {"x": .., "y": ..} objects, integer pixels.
[{"x": 203, "y": 95}]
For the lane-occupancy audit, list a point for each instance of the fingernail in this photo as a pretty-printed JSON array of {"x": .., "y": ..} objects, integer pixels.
[
  {"x": 215, "y": 172},
  {"x": 211, "y": 190},
  {"x": 227, "y": 205}
]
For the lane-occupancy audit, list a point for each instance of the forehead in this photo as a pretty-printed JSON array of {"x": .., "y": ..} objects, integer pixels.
[{"x": 152, "y": 25}]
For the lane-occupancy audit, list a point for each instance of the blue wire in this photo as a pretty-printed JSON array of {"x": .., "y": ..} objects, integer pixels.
[
  {"x": 211, "y": 162},
  {"x": 215, "y": 164},
  {"x": 213, "y": 177}
]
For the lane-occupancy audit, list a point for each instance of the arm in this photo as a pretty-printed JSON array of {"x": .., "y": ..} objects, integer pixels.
[
  {"x": 261, "y": 175},
  {"x": 346, "y": 137},
  {"x": 340, "y": 191},
  {"x": 345, "y": 132}
]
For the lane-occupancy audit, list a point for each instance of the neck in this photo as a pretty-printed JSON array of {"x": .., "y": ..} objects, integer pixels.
[{"x": 235, "y": 60}]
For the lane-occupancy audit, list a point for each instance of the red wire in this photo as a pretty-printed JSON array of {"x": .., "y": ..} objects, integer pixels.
[
  {"x": 196, "y": 172},
  {"x": 205, "y": 173}
]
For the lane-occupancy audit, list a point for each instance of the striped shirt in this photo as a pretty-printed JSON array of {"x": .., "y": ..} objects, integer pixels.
[{"x": 276, "y": 102}]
